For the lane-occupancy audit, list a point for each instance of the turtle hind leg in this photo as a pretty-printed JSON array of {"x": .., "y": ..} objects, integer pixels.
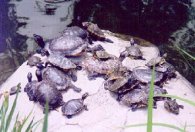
[{"x": 76, "y": 89}]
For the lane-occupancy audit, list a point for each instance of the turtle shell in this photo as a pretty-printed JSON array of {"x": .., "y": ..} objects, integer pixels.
[
  {"x": 56, "y": 76},
  {"x": 47, "y": 91},
  {"x": 103, "y": 55},
  {"x": 33, "y": 61},
  {"x": 145, "y": 75},
  {"x": 93, "y": 29},
  {"x": 67, "y": 46},
  {"x": 134, "y": 51},
  {"x": 135, "y": 96},
  {"x": 72, "y": 107},
  {"x": 61, "y": 61},
  {"x": 165, "y": 67},
  {"x": 75, "y": 31},
  {"x": 30, "y": 89}
]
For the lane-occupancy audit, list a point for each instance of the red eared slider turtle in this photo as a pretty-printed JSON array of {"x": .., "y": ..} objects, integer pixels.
[
  {"x": 96, "y": 68},
  {"x": 103, "y": 55},
  {"x": 132, "y": 52},
  {"x": 145, "y": 75},
  {"x": 95, "y": 32},
  {"x": 172, "y": 106},
  {"x": 61, "y": 80},
  {"x": 33, "y": 61},
  {"x": 135, "y": 99},
  {"x": 167, "y": 69},
  {"x": 157, "y": 61},
  {"x": 75, "y": 31},
  {"x": 74, "y": 106},
  {"x": 64, "y": 45}
]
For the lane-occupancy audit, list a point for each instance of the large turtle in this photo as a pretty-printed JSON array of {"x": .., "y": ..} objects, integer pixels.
[
  {"x": 64, "y": 45},
  {"x": 43, "y": 91},
  {"x": 157, "y": 61},
  {"x": 133, "y": 52},
  {"x": 95, "y": 32},
  {"x": 74, "y": 106},
  {"x": 60, "y": 79},
  {"x": 96, "y": 68}
]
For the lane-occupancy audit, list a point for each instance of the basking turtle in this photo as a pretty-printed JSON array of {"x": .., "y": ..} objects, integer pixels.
[
  {"x": 95, "y": 32},
  {"x": 172, "y": 106},
  {"x": 34, "y": 60},
  {"x": 64, "y": 45},
  {"x": 75, "y": 31},
  {"x": 157, "y": 61},
  {"x": 103, "y": 55},
  {"x": 133, "y": 52},
  {"x": 61, "y": 80},
  {"x": 97, "y": 68},
  {"x": 167, "y": 69},
  {"x": 135, "y": 99},
  {"x": 74, "y": 106},
  {"x": 145, "y": 76},
  {"x": 95, "y": 48}
]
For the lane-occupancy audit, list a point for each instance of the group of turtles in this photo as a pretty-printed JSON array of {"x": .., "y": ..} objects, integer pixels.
[{"x": 73, "y": 51}]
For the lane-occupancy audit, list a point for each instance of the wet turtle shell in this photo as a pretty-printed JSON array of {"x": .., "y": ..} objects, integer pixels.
[
  {"x": 60, "y": 61},
  {"x": 133, "y": 52},
  {"x": 33, "y": 61},
  {"x": 172, "y": 106},
  {"x": 157, "y": 61},
  {"x": 103, "y": 55},
  {"x": 67, "y": 46},
  {"x": 145, "y": 75},
  {"x": 60, "y": 79},
  {"x": 75, "y": 31},
  {"x": 74, "y": 106},
  {"x": 47, "y": 91},
  {"x": 135, "y": 99}
]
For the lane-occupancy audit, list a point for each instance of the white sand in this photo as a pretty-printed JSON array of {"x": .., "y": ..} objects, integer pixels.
[{"x": 105, "y": 113}]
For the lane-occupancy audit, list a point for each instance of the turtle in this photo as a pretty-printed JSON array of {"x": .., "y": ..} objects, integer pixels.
[
  {"x": 103, "y": 55},
  {"x": 167, "y": 69},
  {"x": 95, "y": 48},
  {"x": 144, "y": 76},
  {"x": 132, "y": 51},
  {"x": 172, "y": 106},
  {"x": 135, "y": 99},
  {"x": 47, "y": 91},
  {"x": 75, "y": 31},
  {"x": 95, "y": 32},
  {"x": 74, "y": 106},
  {"x": 43, "y": 91},
  {"x": 60, "y": 79},
  {"x": 159, "y": 60},
  {"x": 62, "y": 63},
  {"x": 13, "y": 90},
  {"x": 34, "y": 60},
  {"x": 96, "y": 68},
  {"x": 63, "y": 45}
]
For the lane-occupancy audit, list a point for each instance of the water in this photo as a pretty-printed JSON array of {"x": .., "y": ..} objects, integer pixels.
[{"x": 124, "y": 16}]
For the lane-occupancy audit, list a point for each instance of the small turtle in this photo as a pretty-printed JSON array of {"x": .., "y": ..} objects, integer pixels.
[
  {"x": 75, "y": 31},
  {"x": 15, "y": 89},
  {"x": 145, "y": 75},
  {"x": 135, "y": 99},
  {"x": 167, "y": 69},
  {"x": 95, "y": 32},
  {"x": 157, "y": 61},
  {"x": 61, "y": 80},
  {"x": 172, "y": 106},
  {"x": 74, "y": 106},
  {"x": 34, "y": 60},
  {"x": 97, "y": 68},
  {"x": 133, "y": 52},
  {"x": 103, "y": 55},
  {"x": 95, "y": 48},
  {"x": 64, "y": 45}
]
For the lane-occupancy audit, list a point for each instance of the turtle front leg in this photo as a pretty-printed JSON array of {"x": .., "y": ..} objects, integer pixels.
[{"x": 76, "y": 89}]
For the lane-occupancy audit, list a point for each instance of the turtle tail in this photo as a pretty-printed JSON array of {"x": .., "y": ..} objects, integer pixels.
[{"x": 108, "y": 40}]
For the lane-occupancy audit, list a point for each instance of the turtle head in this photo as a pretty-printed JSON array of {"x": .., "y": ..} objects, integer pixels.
[
  {"x": 86, "y": 24},
  {"x": 85, "y": 95},
  {"x": 39, "y": 40},
  {"x": 164, "y": 55},
  {"x": 29, "y": 77},
  {"x": 39, "y": 75},
  {"x": 132, "y": 41}
]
